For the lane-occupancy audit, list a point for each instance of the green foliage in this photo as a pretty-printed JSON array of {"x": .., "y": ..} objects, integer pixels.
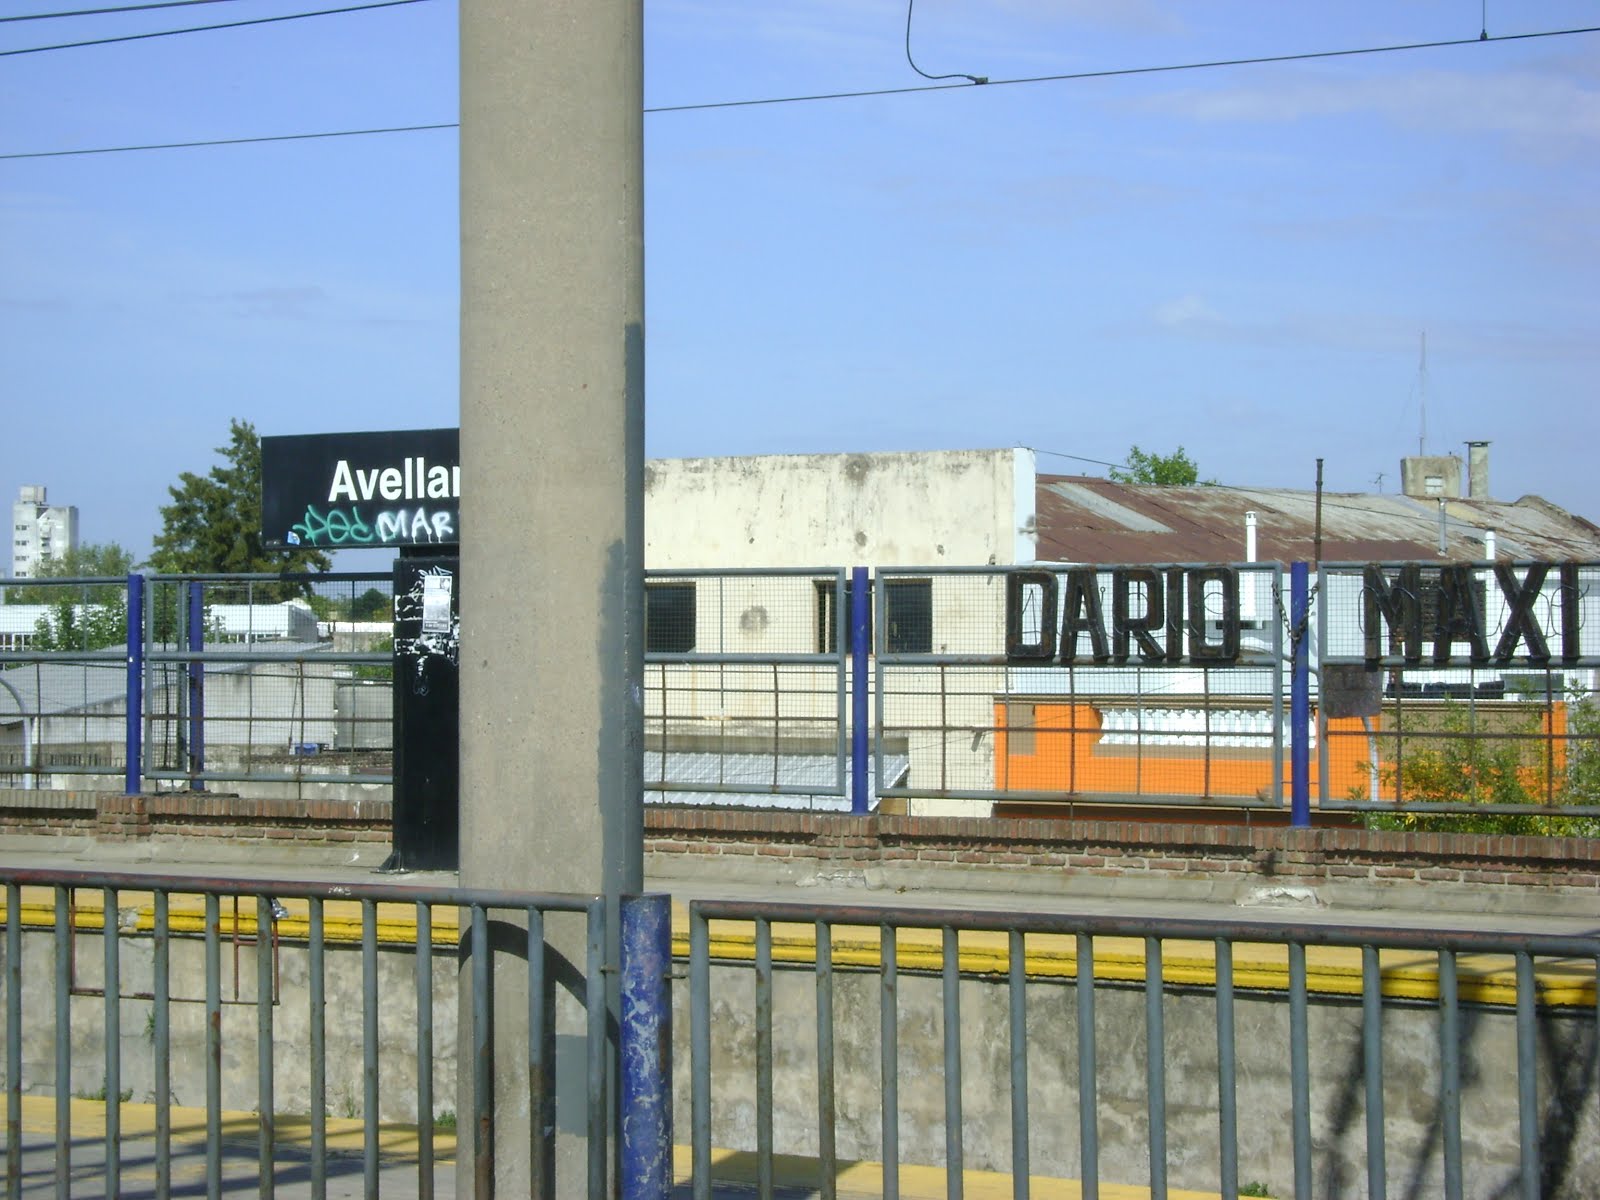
[
  {"x": 1164, "y": 470},
  {"x": 213, "y": 524},
  {"x": 384, "y": 645},
  {"x": 73, "y": 626},
  {"x": 372, "y": 605},
  {"x": 1503, "y": 765},
  {"x": 92, "y": 560},
  {"x": 446, "y": 1120}
]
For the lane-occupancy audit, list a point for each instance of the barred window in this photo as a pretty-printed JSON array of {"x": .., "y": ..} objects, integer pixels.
[
  {"x": 910, "y": 616},
  {"x": 668, "y": 618}
]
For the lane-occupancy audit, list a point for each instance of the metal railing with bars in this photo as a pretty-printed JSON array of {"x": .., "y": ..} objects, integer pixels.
[
  {"x": 1464, "y": 693},
  {"x": 849, "y": 1047},
  {"x": 746, "y": 676},
  {"x": 314, "y": 1043},
  {"x": 1129, "y": 711},
  {"x": 1283, "y": 1058},
  {"x": 282, "y": 685}
]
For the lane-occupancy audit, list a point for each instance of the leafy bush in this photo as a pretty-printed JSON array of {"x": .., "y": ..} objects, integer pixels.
[{"x": 1461, "y": 764}]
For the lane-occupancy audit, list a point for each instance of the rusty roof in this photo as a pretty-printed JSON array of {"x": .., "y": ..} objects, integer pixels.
[{"x": 1092, "y": 520}]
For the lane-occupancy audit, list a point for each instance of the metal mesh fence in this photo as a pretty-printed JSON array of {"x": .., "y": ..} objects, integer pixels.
[
  {"x": 1467, "y": 691},
  {"x": 63, "y": 680},
  {"x": 1461, "y": 696},
  {"x": 744, "y": 687},
  {"x": 283, "y": 681},
  {"x": 1152, "y": 720}
]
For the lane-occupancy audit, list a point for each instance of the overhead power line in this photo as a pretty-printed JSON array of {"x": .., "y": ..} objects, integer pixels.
[
  {"x": 99, "y": 12},
  {"x": 243, "y": 141},
  {"x": 933, "y": 87},
  {"x": 1115, "y": 72},
  {"x": 139, "y": 37}
]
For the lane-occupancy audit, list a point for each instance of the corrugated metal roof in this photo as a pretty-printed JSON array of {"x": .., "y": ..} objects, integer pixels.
[
  {"x": 757, "y": 771},
  {"x": 1091, "y": 520}
]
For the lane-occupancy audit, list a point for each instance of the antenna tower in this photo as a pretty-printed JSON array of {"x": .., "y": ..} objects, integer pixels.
[{"x": 1422, "y": 397}]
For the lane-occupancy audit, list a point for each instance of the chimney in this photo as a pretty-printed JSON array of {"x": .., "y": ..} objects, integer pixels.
[{"x": 1477, "y": 470}]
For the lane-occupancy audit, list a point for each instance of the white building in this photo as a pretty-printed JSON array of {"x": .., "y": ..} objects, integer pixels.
[{"x": 40, "y": 530}]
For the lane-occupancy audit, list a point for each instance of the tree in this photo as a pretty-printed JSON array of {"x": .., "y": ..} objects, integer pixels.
[
  {"x": 73, "y": 626},
  {"x": 1165, "y": 470},
  {"x": 91, "y": 560},
  {"x": 213, "y": 525}
]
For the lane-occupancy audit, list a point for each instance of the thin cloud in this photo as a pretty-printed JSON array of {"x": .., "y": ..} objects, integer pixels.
[
  {"x": 1192, "y": 316},
  {"x": 1520, "y": 105}
]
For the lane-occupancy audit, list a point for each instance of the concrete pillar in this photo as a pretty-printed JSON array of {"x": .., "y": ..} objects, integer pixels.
[{"x": 552, "y": 518}]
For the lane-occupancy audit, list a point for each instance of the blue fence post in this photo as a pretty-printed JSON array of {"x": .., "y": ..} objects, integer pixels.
[
  {"x": 133, "y": 776},
  {"x": 860, "y": 658},
  {"x": 646, "y": 1042},
  {"x": 1299, "y": 697},
  {"x": 197, "y": 687}
]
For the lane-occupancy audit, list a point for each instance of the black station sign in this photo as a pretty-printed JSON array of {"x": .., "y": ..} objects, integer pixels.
[{"x": 337, "y": 491}]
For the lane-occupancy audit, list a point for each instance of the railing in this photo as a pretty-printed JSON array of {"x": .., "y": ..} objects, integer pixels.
[
  {"x": 316, "y": 1025},
  {"x": 746, "y": 676},
  {"x": 1197, "y": 1054},
  {"x": 281, "y": 685},
  {"x": 1126, "y": 705},
  {"x": 852, "y": 1046},
  {"x": 1465, "y": 692}
]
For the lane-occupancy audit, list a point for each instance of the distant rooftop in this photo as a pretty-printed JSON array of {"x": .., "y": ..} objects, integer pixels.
[{"x": 1093, "y": 520}]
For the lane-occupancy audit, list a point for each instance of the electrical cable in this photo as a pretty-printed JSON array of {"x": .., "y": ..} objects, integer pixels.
[
  {"x": 243, "y": 141},
  {"x": 1307, "y": 56},
  {"x": 919, "y": 70},
  {"x": 931, "y": 87},
  {"x": 138, "y": 37},
  {"x": 99, "y": 12},
  {"x": 1099, "y": 462}
]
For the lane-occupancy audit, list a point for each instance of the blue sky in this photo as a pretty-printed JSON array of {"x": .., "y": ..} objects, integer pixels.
[{"x": 1240, "y": 260}]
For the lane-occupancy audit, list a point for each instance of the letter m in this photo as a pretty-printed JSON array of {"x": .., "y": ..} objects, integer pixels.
[{"x": 1399, "y": 604}]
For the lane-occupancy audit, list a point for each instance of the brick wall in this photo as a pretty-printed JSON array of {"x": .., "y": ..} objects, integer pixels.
[
  {"x": 952, "y": 852},
  {"x": 113, "y": 817},
  {"x": 1235, "y": 857}
]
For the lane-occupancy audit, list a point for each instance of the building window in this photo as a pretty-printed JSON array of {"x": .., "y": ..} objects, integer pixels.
[
  {"x": 909, "y": 616},
  {"x": 668, "y": 618},
  {"x": 828, "y": 616}
]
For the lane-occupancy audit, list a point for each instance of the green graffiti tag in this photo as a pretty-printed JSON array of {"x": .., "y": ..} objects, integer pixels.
[{"x": 336, "y": 527}]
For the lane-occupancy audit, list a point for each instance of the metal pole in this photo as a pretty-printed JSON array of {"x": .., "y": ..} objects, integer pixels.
[
  {"x": 13, "y": 1041},
  {"x": 133, "y": 776},
  {"x": 646, "y": 1172},
  {"x": 1299, "y": 698},
  {"x": 954, "y": 1155},
  {"x": 113, "y": 1040},
  {"x": 860, "y": 659},
  {"x": 63, "y": 1034},
  {"x": 197, "y": 688}
]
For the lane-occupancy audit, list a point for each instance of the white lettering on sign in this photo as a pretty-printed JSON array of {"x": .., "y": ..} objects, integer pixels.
[{"x": 413, "y": 479}]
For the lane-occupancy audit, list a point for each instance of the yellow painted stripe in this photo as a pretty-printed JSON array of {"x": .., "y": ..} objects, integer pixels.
[
  {"x": 138, "y": 1121},
  {"x": 916, "y": 1182},
  {"x": 345, "y": 1136},
  {"x": 1330, "y": 970}
]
